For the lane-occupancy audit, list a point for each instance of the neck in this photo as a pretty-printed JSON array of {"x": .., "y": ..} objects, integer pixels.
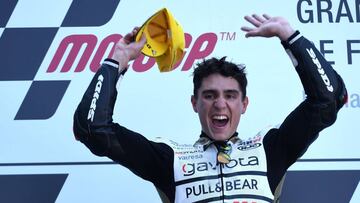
[{"x": 203, "y": 134}]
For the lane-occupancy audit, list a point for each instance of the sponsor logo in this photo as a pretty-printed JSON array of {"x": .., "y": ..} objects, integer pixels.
[
  {"x": 196, "y": 156},
  {"x": 249, "y": 146},
  {"x": 321, "y": 71},
  {"x": 176, "y": 145},
  {"x": 252, "y": 143},
  {"x": 188, "y": 152},
  {"x": 236, "y": 184},
  {"x": 202, "y": 47},
  {"x": 74, "y": 54},
  {"x": 95, "y": 98},
  {"x": 190, "y": 169}
]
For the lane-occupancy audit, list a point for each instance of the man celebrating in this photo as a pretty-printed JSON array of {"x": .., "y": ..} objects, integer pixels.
[{"x": 219, "y": 167}]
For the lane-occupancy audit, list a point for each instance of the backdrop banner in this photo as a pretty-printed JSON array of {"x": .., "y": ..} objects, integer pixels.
[{"x": 50, "y": 50}]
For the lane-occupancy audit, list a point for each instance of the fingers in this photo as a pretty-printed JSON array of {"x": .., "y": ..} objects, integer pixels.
[
  {"x": 130, "y": 37},
  {"x": 253, "y": 20},
  {"x": 127, "y": 38},
  {"x": 142, "y": 41},
  {"x": 135, "y": 30},
  {"x": 266, "y": 16},
  {"x": 246, "y": 29},
  {"x": 257, "y": 20},
  {"x": 252, "y": 33},
  {"x": 135, "y": 47}
]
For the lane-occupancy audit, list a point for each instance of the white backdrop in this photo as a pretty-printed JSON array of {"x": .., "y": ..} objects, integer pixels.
[{"x": 158, "y": 104}]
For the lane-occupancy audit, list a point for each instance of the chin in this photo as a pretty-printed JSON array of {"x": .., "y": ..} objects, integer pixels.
[{"x": 221, "y": 137}]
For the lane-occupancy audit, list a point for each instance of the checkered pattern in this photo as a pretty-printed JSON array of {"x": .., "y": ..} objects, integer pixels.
[
  {"x": 39, "y": 188},
  {"x": 26, "y": 35}
]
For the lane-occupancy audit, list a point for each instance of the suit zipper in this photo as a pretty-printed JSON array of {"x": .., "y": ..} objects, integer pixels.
[{"x": 222, "y": 183}]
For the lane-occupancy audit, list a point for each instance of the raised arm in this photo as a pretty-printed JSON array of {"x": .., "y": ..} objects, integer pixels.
[
  {"x": 94, "y": 126},
  {"x": 325, "y": 90},
  {"x": 320, "y": 81}
]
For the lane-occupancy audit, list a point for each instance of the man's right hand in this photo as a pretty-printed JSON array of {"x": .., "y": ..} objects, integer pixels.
[{"x": 127, "y": 49}]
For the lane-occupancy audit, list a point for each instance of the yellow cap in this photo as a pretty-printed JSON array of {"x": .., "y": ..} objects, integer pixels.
[{"x": 165, "y": 39}]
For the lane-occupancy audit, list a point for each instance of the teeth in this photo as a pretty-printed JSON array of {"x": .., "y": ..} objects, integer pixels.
[{"x": 220, "y": 117}]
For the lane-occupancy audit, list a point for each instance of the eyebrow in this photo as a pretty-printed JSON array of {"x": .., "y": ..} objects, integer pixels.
[
  {"x": 231, "y": 91},
  {"x": 208, "y": 91}
]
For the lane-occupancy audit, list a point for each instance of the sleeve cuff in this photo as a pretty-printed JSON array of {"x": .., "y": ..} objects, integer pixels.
[
  {"x": 111, "y": 62},
  {"x": 291, "y": 39},
  {"x": 115, "y": 64}
]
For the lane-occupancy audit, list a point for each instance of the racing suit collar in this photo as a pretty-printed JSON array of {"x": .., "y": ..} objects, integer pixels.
[
  {"x": 206, "y": 141},
  {"x": 223, "y": 147}
]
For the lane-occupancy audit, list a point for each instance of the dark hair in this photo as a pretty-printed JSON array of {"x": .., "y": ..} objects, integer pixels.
[{"x": 221, "y": 66}]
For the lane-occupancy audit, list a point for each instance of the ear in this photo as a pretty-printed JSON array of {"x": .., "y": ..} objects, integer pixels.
[
  {"x": 193, "y": 102},
  {"x": 245, "y": 103}
]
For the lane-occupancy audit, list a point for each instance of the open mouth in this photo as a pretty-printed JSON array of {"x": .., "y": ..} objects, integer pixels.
[{"x": 220, "y": 120}]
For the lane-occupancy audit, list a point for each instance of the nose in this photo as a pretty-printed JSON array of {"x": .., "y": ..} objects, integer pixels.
[{"x": 220, "y": 103}]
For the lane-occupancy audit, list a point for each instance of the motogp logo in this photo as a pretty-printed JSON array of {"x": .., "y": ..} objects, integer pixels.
[{"x": 33, "y": 43}]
